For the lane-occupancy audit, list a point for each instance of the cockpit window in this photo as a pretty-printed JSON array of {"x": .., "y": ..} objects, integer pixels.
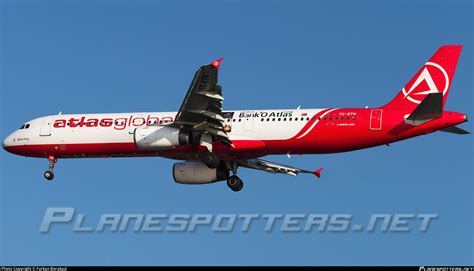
[
  {"x": 22, "y": 127},
  {"x": 27, "y": 126}
]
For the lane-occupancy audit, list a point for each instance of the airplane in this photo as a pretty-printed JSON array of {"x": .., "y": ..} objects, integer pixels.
[{"x": 213, "y": 143}]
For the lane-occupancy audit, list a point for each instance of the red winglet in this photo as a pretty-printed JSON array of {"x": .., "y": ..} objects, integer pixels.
[
  {"x": 217, "y": 63},
  {"x": 318, "y": 172}
]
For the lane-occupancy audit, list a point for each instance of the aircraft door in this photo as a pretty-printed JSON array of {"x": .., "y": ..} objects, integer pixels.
[
  {"x": 375, "y": 120},
  {"x": 248, "y": 121},
  {"x": 45, "y": 129}
]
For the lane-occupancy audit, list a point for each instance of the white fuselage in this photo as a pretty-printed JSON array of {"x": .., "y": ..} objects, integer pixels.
[{"x": 119, "y": 127}]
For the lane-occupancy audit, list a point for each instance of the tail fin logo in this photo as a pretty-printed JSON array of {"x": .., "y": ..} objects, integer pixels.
[{"x": 432, "y": 79}]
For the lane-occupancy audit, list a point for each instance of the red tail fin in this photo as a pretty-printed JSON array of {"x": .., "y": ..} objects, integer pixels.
[{"x": 435, "y": 76}]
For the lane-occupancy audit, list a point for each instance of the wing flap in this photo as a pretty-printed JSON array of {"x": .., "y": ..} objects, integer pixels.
[
  {"x": 209, "y": 114},
  {"x": 205, "y": 125},
  {"x": 211, "y": 95}
]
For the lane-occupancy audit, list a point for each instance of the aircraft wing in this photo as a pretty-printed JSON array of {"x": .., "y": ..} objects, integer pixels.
[
  {"x": 201, "y": 110},
  {"x": 275, "y": 168}
]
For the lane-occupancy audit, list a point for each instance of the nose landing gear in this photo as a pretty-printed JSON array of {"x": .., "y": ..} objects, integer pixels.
[{"x": 49, "y": 175}]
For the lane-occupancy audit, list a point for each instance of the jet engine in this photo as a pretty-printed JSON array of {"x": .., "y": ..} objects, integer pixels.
[
  {"x": 198, "y": 173},
  {"x": 160, "y": 137}
]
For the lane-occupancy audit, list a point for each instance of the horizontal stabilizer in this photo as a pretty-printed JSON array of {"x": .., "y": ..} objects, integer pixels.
[
  {"x": 429, "y": 109},
  {"x": 455, "y": 130}
]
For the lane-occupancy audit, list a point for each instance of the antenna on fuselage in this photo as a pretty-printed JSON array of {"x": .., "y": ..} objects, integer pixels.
[
  {"x": 299, "y": 106},
  {"x": 60, "y": 112}
]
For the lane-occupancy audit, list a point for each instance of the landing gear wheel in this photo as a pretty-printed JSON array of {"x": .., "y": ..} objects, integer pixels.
[
  {"x": 235, "y": 183},
  {"x": 211, "y": 160},
  {"x": 49, "y": 175}
]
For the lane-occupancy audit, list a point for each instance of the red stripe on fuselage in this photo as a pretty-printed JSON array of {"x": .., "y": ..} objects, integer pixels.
[
  {"x": 240, "y": 149},
  {"x": 310, "y": 122}
]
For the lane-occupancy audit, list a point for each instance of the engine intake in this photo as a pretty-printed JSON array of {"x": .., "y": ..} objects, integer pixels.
[
  {"x": 160, "y": 137},
  {"x": 198, "y": 173}
]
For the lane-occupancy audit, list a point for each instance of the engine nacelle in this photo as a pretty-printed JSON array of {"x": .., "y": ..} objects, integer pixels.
[
  {"x": 160, "y": 137},
  {"x": 198, "y": 173}
]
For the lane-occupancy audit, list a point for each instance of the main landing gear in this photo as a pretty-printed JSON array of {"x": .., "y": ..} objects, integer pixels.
[
  {"x": 48, "y": 174},
  {"x": 209, "y": 158},
  {"x": 212, "y": 161},
  {"x": 233, "y": 182}
]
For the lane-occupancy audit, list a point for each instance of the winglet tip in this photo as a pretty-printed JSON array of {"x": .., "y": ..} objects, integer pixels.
[
  {"x": 217, "y": 63},
  {"x": 318, "y": 172}
]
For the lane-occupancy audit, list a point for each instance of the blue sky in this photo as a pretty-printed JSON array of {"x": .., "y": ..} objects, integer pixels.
[{"x": 126, "y": 56}]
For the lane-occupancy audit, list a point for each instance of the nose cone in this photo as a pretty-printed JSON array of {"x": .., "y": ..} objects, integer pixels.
[{"x": 7, "y": 142}]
